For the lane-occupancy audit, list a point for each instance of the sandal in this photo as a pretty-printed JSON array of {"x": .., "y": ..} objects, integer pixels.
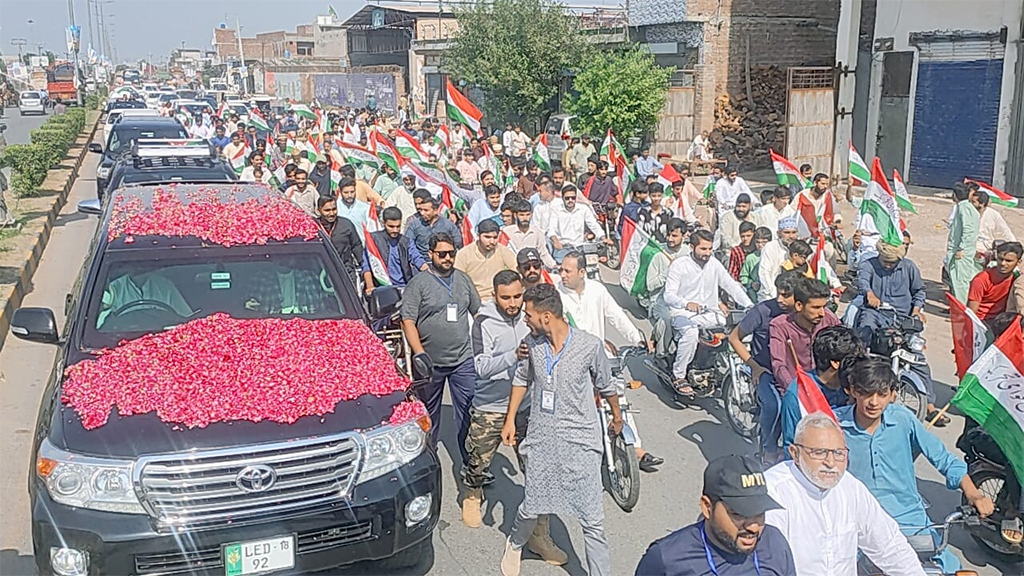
[
  {"x": 941, "y": 422},
  {"x": 682, "y": 388},
  {"x": 1011, "y": 530}
]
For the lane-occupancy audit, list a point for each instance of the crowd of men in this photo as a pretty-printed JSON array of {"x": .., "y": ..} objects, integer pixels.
[{"x": 497, "y": 303}]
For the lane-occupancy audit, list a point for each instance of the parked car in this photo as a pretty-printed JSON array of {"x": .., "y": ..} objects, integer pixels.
[
  {"x": 139, "y": 495},
  {"x": 31, "y": 102}
]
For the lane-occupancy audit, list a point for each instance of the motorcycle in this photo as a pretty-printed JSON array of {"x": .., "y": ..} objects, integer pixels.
[
  {"x": 903, "y": 344},
  {"x": 621, "y": 465},
  {"x": 716, "y": 368},
  {"x": 989, "y": 468},
  {"x": 926, "y": 548},
  {"x": 608, "y": 217}
]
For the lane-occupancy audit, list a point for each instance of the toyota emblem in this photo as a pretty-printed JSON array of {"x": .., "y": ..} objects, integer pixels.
[{"x": 255, "y": 478}]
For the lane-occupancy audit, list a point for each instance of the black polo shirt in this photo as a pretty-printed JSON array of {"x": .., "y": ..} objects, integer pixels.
[{"x": 682, "y": 553}]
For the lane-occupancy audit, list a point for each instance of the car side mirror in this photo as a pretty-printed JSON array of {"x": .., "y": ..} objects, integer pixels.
[
  {"x": 3, "y": 127},
  {"x": 95, "y": 147},
  {"x": 35, "y": 325},
  {"x": 384, "y": 301},
  {"x": 90, "y": 206}
]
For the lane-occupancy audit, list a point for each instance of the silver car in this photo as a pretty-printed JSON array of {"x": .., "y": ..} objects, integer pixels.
[{"x": 31, "y": 101}]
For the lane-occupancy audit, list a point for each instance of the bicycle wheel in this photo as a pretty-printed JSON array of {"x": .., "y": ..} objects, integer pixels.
[{"x": 624, "y": 483}]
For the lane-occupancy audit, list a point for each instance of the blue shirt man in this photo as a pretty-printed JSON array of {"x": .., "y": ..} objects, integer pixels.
[
  {"x": 220, "y": 140},
  {"x": 420, "y": 230},
  {"x": 645, "y": 165},
  {"x": 393, "y": 260},
  {"x": 638, "y": 192}
]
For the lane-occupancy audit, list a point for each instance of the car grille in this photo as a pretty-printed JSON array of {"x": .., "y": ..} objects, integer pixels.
[
  {"x": 199, "y": 490},
  {"x": 209, "y": 559}
]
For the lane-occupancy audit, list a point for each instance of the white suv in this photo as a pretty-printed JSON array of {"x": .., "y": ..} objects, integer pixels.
[{"x": 31, "y": 101}]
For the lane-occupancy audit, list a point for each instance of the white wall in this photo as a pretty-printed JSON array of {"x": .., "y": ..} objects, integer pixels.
[{"x": 897, "y": 19}]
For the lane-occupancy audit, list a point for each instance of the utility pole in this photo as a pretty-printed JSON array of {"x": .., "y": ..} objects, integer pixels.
[
  {"x": 241, "y": 56},
  {"x": 19, "y": 42},
  {"x": 74, "y": 47},
  {"x": 88, "y": 11}
]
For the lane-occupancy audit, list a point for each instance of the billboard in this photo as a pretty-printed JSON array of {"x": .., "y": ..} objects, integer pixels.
[
  {"x": 351, "y": 90},
  {"x": 284, "y": 85}
]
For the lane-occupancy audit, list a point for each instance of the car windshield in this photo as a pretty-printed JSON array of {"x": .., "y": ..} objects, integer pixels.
[
  {"x": 122, "y": 138},
  {"x": 168, "y": 97},
  {"x": 143, "y": 292},
  {"x": 31, "y": 95},
  {"x": 113, "y": 117}
]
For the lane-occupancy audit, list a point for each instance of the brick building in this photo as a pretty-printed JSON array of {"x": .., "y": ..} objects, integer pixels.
[{"x": 713, "y": 42}]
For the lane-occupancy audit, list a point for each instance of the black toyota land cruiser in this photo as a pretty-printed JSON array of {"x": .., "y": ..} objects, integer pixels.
[
  {"x": 139, "y": 494},
  {"x": 156, "y": 161}
]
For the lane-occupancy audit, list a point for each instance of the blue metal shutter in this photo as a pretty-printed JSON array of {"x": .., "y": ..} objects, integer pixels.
[{"x": 956, "y": 110}]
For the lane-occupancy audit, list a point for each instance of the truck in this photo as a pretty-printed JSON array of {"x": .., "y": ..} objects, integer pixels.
[{"x": 60, "y": 82}]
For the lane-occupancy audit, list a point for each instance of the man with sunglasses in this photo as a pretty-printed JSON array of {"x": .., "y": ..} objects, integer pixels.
[
  {"x": 531, "y": 268},
  {"x": 436, "y": 307},
  {"x": 828, "y": 515},
  {"x": 569, "y": 226}
]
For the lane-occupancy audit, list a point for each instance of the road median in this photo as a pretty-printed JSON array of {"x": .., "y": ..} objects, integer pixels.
[{"x": 18, "y": 264}]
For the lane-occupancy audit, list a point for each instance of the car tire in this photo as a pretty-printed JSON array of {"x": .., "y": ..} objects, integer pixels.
[{"x": 421, "y": 552}]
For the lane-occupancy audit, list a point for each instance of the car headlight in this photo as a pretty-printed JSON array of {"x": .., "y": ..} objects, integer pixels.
[
  {"x": 390, "y": 447},
  {"x": 86, "y": 481},
  {"x": 103, "y": 172},
  {"x": 916, "y": 343}
]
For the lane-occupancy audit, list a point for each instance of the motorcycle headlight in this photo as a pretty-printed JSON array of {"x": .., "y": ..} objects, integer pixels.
[
  {"x": 390, "y": 447},
  {"x": 87, "y": 482},
  {"x": 916, "y": 343},
  {"x": 103, "y": 172}
]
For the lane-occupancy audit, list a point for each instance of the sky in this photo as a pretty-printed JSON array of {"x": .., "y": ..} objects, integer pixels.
[{"x": 157, "y": 26}]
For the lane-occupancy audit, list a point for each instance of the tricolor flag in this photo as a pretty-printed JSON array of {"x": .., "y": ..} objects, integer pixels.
[
  {"x": 680, "y": 207},
  {"x": 303, "y": 111},
  {"x": 995, "y": 195},
  {"x": 970, "y": 335},
  {"x": 332, "y": 13},
  {"x": 356, "y": 154},
  {"x": 385, "y": 150},
  {"x": 540, "y": 153},
  {"x": 492, "y": 163},
  {"x": 858, "y": 169},
  {"x": 409, "y": 147},
  {"x": 335, "y": 176},
  {"x": 817, "y": 264},
  {"x": 238, "y": 160},
  {"x": 879, "y": 204},
  {"x": 373, "y": 223},
  {"x": 638, "y": 251},
  {"x": 378, "y": 265},
  {"x": 786, "y": 172},
  {"x": 350, "y": 135},
  {"x": 617, "y": 161},
  {"x": 312, "y": 148},
  {"x": 709, "y": 187},
  {"x": 902, "y": 198},
  {"x": 461, "y": 109},
  {"x": 990, "y": 393},
  {"x": 467, "y": 230},
  {"x": 810, "y": 396},
  {"x": 443, "y": 139},
  {"x": 256, "y": 119},
  {"x": 808, "y": 220}
]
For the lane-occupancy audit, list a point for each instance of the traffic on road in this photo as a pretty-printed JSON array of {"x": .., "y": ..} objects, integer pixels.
[{"x": 273, "y": 336}]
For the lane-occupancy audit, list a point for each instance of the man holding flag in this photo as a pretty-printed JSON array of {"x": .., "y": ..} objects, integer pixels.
[{"x": 884, "y": 439}]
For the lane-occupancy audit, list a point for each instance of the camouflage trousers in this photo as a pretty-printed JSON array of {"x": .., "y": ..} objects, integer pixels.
[{"x": 482, "y": 442}]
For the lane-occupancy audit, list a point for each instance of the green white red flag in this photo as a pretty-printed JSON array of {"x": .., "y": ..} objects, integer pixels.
[
  {"x": 879, "y": 205},
  {"x": 356, "y": 154},
  {"x": 540, "y": 153},
  {"x": 991, "y": 392},
  {"x": 238, "y": 160},
  {"x": 312, "y": 148},
  {"x": 638, "y": 249},
  {"x": 995, "y": 195},
  {"x": 335, "y": 175},
  {"x": 443, "y": 139},
  {"x": 461, "y": 109},
  {"x": 709, "y": 187},
  {"x": 902, "y": 197},
  {"x": 809, "y": 395},
  {"x": 786, "y": 172},
  {"x": 617, "y": 161},
  {"x": 378, "y": 265},
  {"x": 810, "y": 218},
  {"x": 970, "y": 335},
  {"x": 256, "y": 119},
  {"x": 303, "y": 111},
  {"x": 385, "y": 150},
  {"x": 859, "y": 172},
  {"x": 409, "y": 147}
]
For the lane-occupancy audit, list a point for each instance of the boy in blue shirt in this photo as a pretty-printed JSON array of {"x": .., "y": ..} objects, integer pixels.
[
  {"x": 830, "y": 346},
  {"x": 884, "y": 438}
]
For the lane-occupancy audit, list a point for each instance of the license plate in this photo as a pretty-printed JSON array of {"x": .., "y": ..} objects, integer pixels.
[
  {"x": 259, "y": 556},
  {"x": 592, "y": 259}
]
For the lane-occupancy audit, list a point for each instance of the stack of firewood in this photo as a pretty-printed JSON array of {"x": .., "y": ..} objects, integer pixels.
[{"x": 745, "y": 128}]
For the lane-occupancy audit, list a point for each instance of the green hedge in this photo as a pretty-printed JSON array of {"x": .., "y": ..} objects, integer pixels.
[{"x": 50, "y": 142}]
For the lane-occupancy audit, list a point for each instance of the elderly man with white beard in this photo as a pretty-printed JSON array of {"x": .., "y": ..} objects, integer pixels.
[{"x": 827, "y": 515}]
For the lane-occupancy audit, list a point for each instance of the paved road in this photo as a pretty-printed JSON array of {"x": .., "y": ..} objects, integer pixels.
[
  {"x": 19, "y": 126},
  {"x": 686, "y": 437}
]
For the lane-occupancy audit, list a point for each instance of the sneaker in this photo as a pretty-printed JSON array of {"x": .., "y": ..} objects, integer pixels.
[
  {"x": 649, "y": 462},
  {"x": 511, "y": 561}
]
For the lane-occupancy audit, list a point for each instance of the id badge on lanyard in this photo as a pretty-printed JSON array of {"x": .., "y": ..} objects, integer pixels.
[{"x": 547, "y": 394}]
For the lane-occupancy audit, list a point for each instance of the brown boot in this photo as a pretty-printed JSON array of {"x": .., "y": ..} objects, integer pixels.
[
  {"x": 540, "y": 543},
  {"x": 471, "y": 516}
]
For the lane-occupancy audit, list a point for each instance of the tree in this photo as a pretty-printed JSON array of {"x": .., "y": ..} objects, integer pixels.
[
  {"x": 517, "y": 52},
  {"x": 624, "y": 91}
]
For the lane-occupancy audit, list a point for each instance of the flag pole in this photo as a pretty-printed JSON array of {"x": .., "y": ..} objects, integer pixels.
[
  {"x": 792, "y": 350},
  {"x": 939, "y": 415}
]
